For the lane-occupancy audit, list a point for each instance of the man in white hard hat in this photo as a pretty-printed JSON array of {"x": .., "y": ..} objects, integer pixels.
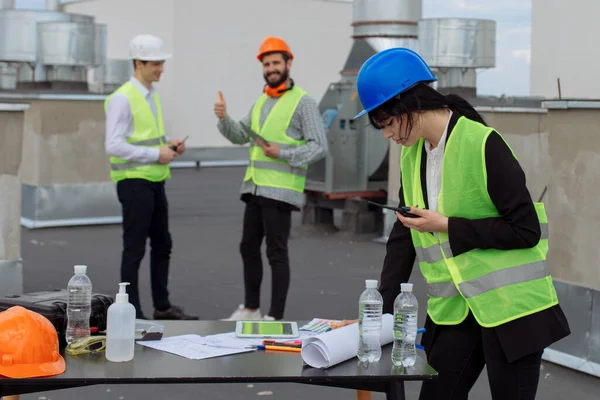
[{"x": 140, "y": 154}]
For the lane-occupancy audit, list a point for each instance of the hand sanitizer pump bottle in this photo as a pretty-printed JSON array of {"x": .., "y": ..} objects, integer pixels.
[{"x": 120, "y": 328}]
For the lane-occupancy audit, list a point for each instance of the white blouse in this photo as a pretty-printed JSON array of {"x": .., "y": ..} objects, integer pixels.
[{"x": 435, "y": 159}]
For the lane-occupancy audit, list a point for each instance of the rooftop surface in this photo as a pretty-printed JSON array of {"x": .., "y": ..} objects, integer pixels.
[{"x": 328, "y": 274}]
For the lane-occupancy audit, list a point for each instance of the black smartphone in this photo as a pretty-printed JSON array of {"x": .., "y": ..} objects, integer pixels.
[
  {"x": 174, "y": 148},
  {"x": 403, "y": 210}
]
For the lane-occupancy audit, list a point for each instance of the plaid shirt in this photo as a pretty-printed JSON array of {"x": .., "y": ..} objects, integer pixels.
[{"x": 306, "y": 124}]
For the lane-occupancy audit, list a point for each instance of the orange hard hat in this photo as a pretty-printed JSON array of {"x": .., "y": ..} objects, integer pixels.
[
  {"x": 273, "y": 44},
  {"x": 28, "y": 345}
]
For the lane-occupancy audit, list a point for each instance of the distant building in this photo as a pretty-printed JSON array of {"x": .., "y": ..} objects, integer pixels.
[{"x": 564, "y": 45}]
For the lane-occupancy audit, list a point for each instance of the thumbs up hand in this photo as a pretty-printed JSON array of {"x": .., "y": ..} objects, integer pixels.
[{"x": 221, "y": 107}]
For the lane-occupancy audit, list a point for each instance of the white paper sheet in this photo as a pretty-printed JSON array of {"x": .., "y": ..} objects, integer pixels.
[
  {"x": 336, "y": 346},
  {"x": 191, "y": 346},
  {"x": 230, "y": 340}
]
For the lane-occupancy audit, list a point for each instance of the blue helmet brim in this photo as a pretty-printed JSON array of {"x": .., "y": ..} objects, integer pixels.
[{"x": 363, "y": 112}]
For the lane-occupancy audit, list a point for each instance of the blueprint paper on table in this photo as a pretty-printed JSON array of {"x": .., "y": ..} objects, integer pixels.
[
  {"x": 341, "y": 344},
  {"x": 230, "y": 340},
  {"x": 192, "y": 347}
]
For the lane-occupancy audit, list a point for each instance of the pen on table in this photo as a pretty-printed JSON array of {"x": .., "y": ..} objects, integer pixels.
[
  {"x": 280, "y": 348},
  {"x": 282, "y": 344}
]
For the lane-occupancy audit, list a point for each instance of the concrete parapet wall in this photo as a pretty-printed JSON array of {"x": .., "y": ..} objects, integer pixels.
[
  {"x": 526, "y": 132},
  {"x": 64, "y": 143},
  {"x": 65, "y": 172},
  {"x": 11, "y": 140},
  {"x": 573, "y": 193}
]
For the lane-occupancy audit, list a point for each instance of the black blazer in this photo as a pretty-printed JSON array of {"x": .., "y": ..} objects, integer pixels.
[{"x": 517, "y": 227}]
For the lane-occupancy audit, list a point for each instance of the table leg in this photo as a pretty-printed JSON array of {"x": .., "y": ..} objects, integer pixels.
[
  {"x": 395, "y": 391},
  {"x": 363, "y": 395}
]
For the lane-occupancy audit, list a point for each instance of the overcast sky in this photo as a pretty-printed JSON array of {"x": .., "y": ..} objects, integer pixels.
[{"x": 513, "y": 40}]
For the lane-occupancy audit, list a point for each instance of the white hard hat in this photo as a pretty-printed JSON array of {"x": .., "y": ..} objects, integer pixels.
[{"x": 147, "y": 48}]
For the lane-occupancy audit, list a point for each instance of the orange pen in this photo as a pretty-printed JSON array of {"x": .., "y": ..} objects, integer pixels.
[{"x": 280, "y": 348}]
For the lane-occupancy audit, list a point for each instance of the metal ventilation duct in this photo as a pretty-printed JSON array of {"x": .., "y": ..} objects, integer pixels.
[
  {"x": 357, "y": 160},
  {"x": 379, "y": 25},
  {"x": 53, "y": 5},
  {"x": 455, "y": 48},
  {"x": 66, "y": 43},
  {"x": 108, "y": 77},
  {"x": 7, "y": 4},
  {"x": 100, "y": 43}
]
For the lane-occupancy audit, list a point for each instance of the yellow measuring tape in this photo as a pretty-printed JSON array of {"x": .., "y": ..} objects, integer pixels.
[{"x": 82, "y": 345}]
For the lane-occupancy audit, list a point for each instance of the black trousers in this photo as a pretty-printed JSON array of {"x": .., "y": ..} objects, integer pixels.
[
  {"x": 459, "y": 353},
  {"x": 145, "y": 215},
  {"x": 270, "y": 219}
]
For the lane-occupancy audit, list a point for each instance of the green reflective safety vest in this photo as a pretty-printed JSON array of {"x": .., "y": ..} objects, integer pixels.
[
  {"x": 267, "y": 171},
  {"x": 148, "y": 132},
  {"x": 497, "y": 285}
]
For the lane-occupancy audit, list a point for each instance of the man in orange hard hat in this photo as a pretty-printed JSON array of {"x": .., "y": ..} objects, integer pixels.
[{"x": 291, "y": 136}]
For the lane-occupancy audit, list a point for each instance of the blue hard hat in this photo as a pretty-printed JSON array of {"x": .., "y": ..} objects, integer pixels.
[{"x": 389, "y": 73}]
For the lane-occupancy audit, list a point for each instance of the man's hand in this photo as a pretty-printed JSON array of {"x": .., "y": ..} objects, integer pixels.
[
  {"x": 270, "y": 150},
  {"x": 179, "y": 145},
  {"x": 221, "y": 107},
  {"x": 430, "y": 221},
  {"x": 166, "y": 154}
]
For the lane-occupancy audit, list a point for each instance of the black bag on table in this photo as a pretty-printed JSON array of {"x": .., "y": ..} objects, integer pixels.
[{"x": 52, "y": 304}]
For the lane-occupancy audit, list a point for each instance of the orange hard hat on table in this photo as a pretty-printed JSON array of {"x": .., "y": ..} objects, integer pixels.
[
  {"x": 28, "y": 345},
  {"x": 273, "y": 44}
]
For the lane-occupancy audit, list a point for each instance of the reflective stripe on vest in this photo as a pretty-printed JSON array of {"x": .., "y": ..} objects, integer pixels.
[
  {"x": 130, "y": 165},
  {"x": 148, "y": 132},
  {"x": 505, "y": 277},
  {"x": 280, "y": 168},
  {"x": 496, "y": 285},
  {"x": 434, "y": 254},
  {"x": 151, "y": 142},
  {"x": 282, "y": 146},
  {"x": 267, "y": 171}
]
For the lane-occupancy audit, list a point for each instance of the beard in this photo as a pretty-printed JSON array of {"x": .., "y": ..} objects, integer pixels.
[{"x": 283, "y": 77}]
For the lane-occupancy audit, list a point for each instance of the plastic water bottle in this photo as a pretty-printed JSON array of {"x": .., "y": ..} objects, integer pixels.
[
  {"x": 406, "y": 310},
  {"x": 79, "y": 305},
  {"x": 370, "y": 319}
]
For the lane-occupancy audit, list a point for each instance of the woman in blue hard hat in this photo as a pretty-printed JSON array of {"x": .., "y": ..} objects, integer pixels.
[{"x": 479, "y": 239}]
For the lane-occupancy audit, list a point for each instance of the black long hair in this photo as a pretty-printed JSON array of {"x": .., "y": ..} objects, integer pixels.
[{"x": 421, "y": 97}]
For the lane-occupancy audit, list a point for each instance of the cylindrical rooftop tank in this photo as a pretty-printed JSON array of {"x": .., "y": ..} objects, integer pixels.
[
  {"x": 386, "y": 18},
  {"x": 19, "y": 32},
  {"x": 109, "y": 76},
  {"x": 67, "y": 43},
  {"x": 8, "y": 76},
  {"x": 53, "y": 5},
  {"x": 455, "y": 42},
  {"x": 7, "y": 4},
  {"x": 382, "y": 24},
  {"x": 100, "y": 33}
]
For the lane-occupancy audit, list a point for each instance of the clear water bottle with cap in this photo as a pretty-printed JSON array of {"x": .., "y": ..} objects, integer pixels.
[
  {"x": 79, "y": 304},
  {"x": 370, "y": 319},
  {"x": 406, "y": 310}
]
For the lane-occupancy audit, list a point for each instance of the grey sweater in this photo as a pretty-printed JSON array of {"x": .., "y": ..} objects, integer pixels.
[{"x": 306, "y": 124}]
